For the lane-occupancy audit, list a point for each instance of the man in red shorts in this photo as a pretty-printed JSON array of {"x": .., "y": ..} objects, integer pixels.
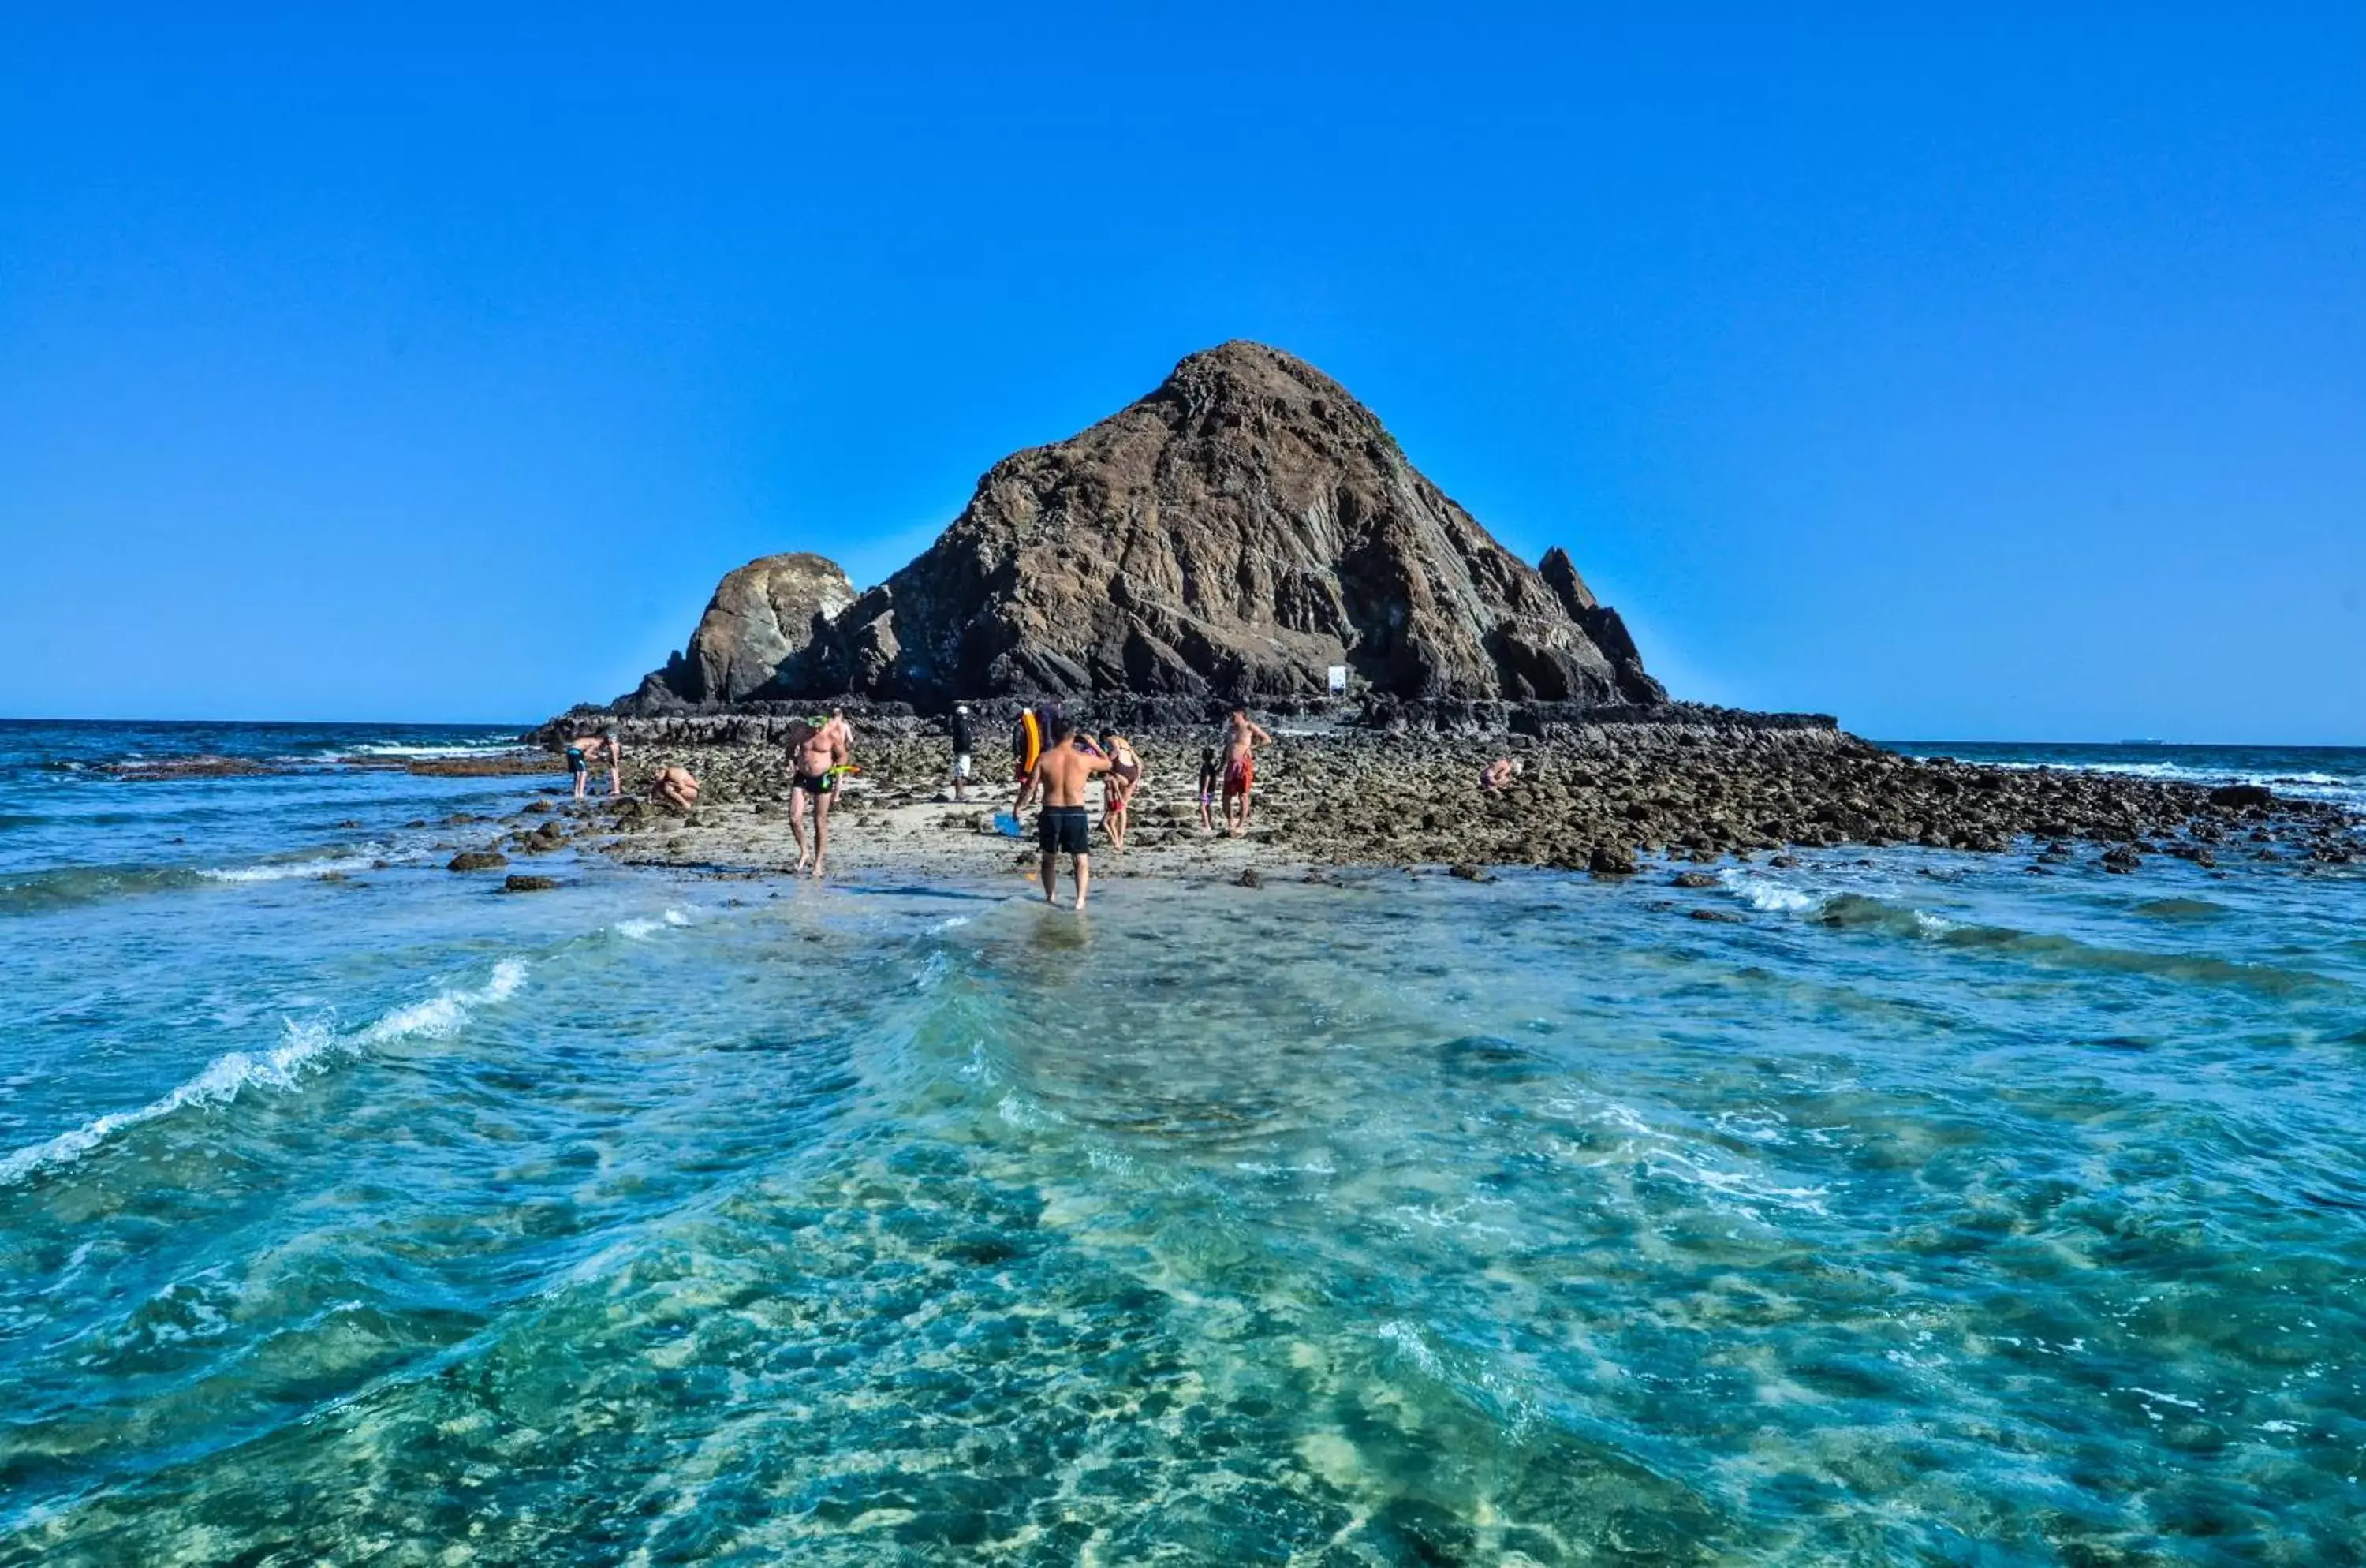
[{"x": 1242, "y": 737}]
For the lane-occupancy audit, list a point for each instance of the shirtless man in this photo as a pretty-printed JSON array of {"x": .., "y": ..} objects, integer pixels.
[
  {"x": 674, "y": 787},
  {"x": 579, "y": 752},
  {"x": 813, "y": 761},
  {"x": 1062, "y": 827},
  {"x": 1242, "y": 737}
]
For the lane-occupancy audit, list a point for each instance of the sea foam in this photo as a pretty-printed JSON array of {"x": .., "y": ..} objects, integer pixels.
[
  {"x": 303, "y": 1048},
  {"x": 284, "y": 871}
]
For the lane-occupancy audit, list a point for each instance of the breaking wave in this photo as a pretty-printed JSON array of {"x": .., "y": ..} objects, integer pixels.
[{"x": 304, "y": 1048}]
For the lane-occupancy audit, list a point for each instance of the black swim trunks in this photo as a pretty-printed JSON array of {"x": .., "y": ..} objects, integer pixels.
[
  {"x": 1065, "y": 830},
  {"x": 815, "y": 784}
]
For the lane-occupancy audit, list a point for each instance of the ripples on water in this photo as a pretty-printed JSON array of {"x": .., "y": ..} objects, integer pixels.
[{"x": 1964, "y": 1217}]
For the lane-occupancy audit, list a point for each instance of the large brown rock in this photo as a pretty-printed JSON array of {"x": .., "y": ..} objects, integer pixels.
[
  {"x": 761, "y": 617},
  {"x": 1234, "y": 534}
]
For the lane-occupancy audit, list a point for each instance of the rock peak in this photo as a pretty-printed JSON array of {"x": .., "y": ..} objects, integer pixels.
[{"x": 1237, "y": 532}]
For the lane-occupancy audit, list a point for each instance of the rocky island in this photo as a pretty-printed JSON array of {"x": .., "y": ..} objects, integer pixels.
[{"x": 1250, "y": 533}]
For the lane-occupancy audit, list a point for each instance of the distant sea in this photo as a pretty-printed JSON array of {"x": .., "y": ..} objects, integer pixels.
[{"x": 1930, "y": 1212}]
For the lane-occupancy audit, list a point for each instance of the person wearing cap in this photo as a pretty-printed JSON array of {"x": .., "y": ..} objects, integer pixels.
[
  {"x": 962, "y": 740},
  {"x": 614, "y": 749}
]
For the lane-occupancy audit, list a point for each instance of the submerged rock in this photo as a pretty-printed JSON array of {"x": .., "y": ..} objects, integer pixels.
[{"x": 477, "y": 860}]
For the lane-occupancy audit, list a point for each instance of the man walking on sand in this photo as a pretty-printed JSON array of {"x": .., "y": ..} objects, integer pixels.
[
  {"x": 1242, "y": 737},
  {"x": 1062, "y": 829},
  {"x": 814, "y": 760}
]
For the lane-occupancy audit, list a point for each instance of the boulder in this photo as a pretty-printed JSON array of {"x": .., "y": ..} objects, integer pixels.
[
  {"x": 761, "y": 617},
  {"x": 516, "y": 884},
  {"x": 477, "y": 860}
]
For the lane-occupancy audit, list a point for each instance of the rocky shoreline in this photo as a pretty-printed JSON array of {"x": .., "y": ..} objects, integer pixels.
[{"x": 1598, "y": 794}]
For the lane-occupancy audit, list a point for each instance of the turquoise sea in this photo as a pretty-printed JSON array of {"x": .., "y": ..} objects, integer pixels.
[{"x": 1930, "y": 1212}]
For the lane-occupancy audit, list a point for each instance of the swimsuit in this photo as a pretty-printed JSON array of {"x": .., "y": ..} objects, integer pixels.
[
  {"x": 815, "y": 784},
  {"x": 1065, "y": 830},
  {"x": 575, "y": 759},
  {"x": 1240, "y": 774}
]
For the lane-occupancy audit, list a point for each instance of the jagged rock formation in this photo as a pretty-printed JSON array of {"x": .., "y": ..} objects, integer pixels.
[
  {"x": 1233, "y": 535},
  {"x": 761, "y": 617}
]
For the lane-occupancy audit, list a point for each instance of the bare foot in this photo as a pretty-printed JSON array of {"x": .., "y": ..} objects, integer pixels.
[{"x": 1080, "y": 905}]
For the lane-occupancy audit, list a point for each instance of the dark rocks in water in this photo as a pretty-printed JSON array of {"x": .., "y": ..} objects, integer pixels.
[
  {"x": 516, "y": 884},
  {"x": 1722, "y": 916},
  {"x": 1251, "y": 877},
  {"x": 1609, "y": 860},
  {"x": 2242, "y": 795},
  {"x": 1233, "y": 535},
  {"x": 2121, "y": 859},
  {"x": 1468, "y": 873},
  {"x": 1694, "y": 879},
  {"x": 477, "y": 860}
]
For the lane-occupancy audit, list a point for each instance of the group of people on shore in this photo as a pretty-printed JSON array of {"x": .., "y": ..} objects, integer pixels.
[
  {"x": 672, "y": 786},
  {"x": 1052, "y": 757}
]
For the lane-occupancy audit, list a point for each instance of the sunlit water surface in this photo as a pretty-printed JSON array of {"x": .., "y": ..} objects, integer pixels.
[{"x": 1933, "y": 1212}]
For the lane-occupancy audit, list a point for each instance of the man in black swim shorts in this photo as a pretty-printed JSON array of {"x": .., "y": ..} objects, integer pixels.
[{"x": 1062, "y": 829}]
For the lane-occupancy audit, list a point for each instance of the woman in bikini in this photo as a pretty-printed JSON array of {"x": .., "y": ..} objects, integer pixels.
[{"x": 1117, "y": 789}]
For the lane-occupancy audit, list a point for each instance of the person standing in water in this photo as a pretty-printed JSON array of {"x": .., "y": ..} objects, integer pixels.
[
  {"x": 814, "y": 758},
  {"x": 1062, "y": 827},
  {"x": 579, "y": 752},
  {"x": 1242, "y": 737},
  {"x": 962, "y": 740},
  {"x": 1117, "y": 789},
  {"x": 612, "y": 745}
]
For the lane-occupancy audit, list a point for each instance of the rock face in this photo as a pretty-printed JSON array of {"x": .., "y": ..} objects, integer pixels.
[
  {"x": 1234, "y": 535},
  {"x": 761, "y": 617}
]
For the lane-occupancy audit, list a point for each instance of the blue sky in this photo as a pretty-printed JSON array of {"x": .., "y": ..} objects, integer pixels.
[{"x": 1993, "y": 372}]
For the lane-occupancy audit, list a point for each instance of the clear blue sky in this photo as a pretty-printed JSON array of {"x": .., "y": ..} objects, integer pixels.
[{"x": 1997, "y": 373}]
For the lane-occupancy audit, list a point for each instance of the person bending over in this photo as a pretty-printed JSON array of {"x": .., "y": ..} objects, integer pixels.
[
  {"x": 675, "y": 788},
  {"x": 579, "y": 752},
  {"x": 1062, "y": 827}
]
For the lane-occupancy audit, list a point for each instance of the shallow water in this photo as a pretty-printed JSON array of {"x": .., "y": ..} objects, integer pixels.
[{"x": 1934, "y": 1212}]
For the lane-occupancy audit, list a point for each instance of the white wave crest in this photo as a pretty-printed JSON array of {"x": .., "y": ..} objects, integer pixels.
[
  {"x": 392, "y": 748},
  {"x": 284, "y": 871},
  {"x": 1766, "y": 895},
  {"x": 304, "y": 1048}
]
